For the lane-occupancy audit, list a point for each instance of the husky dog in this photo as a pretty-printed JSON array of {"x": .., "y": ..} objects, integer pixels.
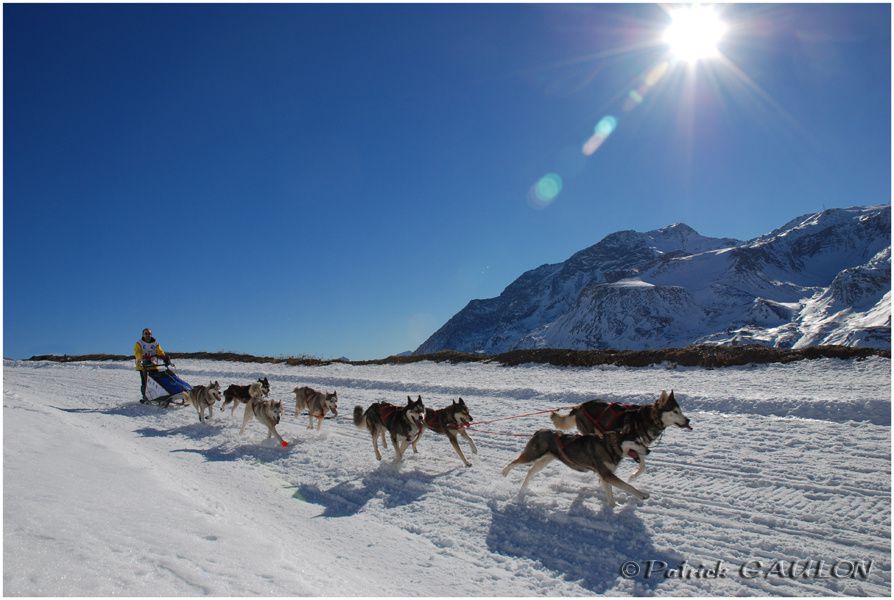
[
  {"x": 202, "y": 397},
  {"x": 646, "y": 421},
  {"x": 583, "y": 453},
  {"x": 316, "y": 403},
  {"x": 268, "y": 412},
  {"x": 449, "y": 421},
  {"x": 401, "y": 422},
  {"x": 650, "y": 420},
  {"x": 239, "y": 394}
]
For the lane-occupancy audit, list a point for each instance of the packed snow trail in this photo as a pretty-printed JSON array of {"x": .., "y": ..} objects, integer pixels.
[{"x": 104, "y": 496}]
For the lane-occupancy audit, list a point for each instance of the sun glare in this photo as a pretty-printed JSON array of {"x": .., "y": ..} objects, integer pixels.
[{"x": 694, "y": 33}]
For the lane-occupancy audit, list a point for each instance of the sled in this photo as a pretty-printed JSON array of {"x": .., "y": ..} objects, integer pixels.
[{"x": 164, "y": 387}]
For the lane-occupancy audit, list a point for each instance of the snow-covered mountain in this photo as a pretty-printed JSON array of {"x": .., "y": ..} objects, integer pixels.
[{"x": 822, "y": 278}]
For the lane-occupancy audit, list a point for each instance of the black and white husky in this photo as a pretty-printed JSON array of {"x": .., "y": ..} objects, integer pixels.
[
  {"x": 267, "y": 412},
  {"x": 204, "y": 396},
  {"x": 402, "y": 423},
  {"x": 649, "y": 420},
  {"x": 602, "y": 455},
  {"x": 317, "y": 404},
  {"x": 450, "y": 421},
  {"x": 646, "y": 421},
  {"x": 240, "y": 394}
]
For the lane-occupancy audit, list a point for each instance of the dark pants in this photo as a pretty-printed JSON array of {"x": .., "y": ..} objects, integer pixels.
[{"x": 143, "y": 377}]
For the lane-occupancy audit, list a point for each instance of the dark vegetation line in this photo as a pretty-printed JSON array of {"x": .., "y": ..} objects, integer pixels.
[{"x": 691, "y": 356}]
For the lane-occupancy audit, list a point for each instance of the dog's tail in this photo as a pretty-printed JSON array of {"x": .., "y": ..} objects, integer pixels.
[
  {"x": 563, "y": 422},
  {"x": 358, "y": 416}
]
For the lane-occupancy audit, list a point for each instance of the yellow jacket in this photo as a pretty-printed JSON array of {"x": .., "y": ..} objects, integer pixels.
[{"x": 145, "y": 349}]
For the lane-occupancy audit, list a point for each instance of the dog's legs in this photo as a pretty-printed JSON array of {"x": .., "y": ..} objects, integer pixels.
[
  {"x": 459, "y": 451},
  {"x": 609, "y": 495},
  {"x": 271, "y": 431},
  {"x": 610, "y": 478},
  {"x": 471, "y": 443},
  {"x": 375, "y": 438},
  {"x": 319, "y": 422},
  {"x": 398, "y": 451},
  {"x": 403, "y": 448},
  {"x": 518, "y": 461},
  {"x": 416, "y": 439},
  {"x": 536, "y": 468},
  {"x": 641, "y": 469},
  {"x": 246, "y": 418},
  {"x": 310, "y": 419},
  {"x": 384, "y": 441}
]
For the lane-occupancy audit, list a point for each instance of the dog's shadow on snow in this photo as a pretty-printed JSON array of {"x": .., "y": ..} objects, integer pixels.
[
  {"x": 266, "y": 451},
  {"x": 585, "y": 546},
  {"x": 123, "y": 410},
  {"x": 195, "y": 431},
  {"x": 395, "y": 487}
]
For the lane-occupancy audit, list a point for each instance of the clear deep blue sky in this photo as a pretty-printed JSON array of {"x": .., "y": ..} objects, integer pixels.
[{"x": 340, "y": 180}]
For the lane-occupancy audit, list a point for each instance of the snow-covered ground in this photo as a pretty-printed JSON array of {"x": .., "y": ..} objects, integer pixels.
[{"x": 104, "y": 496}]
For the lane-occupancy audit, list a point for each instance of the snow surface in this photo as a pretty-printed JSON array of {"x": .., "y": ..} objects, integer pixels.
[{"x": 104, "y": 496}]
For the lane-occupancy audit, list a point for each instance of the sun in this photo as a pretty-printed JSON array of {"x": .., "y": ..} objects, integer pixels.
[{"x": 694, "y": 33}]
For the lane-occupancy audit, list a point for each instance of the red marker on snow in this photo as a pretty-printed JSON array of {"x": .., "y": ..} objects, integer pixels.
[{"x": 284, "y": 443}]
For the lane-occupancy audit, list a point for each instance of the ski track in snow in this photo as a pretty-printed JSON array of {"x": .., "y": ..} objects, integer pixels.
[{"x": 104, "y": 496}]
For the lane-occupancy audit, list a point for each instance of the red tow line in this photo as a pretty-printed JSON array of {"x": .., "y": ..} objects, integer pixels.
[
  {"x": 539, "y": 412},
  {"x": 475, "y": 424}
]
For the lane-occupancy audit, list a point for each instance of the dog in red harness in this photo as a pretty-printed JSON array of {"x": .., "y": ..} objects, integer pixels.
[
  {"x": 402, "y": 423},
  {"x": 598, "y": 417},
  {"x": 646, "y": 421},
  {"x": 451, "y": 422}
]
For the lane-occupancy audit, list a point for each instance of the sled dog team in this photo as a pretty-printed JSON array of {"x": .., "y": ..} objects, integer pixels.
[
  {"x": 267, "y": 412},
  {"x": 608, "y": 431}
]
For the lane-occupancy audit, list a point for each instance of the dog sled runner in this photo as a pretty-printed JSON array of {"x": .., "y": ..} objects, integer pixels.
[{"x": 164, "y": 387}]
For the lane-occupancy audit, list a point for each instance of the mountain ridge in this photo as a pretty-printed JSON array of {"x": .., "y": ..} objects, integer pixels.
[{"x": 673, "y": 287}]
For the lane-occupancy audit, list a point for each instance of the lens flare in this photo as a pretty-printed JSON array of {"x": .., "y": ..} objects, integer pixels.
[
  {"x": 606, "y": 125},
  {"x": 636, "y": 96},
  {"x": 656, "y": 73},
  {"x": 603, "y": 129},
  {"x": 549, "y": 187},
  {"x": 545, "y": 191}
]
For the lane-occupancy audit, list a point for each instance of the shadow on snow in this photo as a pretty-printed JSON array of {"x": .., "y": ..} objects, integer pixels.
[
  {"x": 195, "y": 431},
  {"x": 585, "y": 546},
  {"x": 263, "y": 451},
  {"x": 396, "y": 488},
  {"x": 125, "y": 410}
]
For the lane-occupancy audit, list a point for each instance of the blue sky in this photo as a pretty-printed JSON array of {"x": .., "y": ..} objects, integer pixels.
[{"x": 340, "y": 180}]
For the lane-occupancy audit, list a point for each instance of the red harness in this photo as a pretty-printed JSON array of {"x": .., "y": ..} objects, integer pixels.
[
  {"x": 613, "y": 412},
  {"x": 386, "y": 411},
  {"x": 565, "y": 458}
]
